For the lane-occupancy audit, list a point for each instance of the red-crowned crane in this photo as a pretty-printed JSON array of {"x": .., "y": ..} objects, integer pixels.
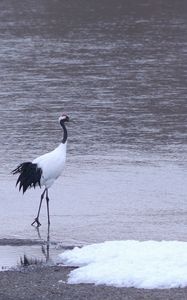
[{"x": 44, "y": 170}]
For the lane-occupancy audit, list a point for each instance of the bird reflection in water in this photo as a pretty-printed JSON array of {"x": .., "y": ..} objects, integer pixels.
[
  {"x": 26, "y": 261},
  {"x": 45, "y": 248}
]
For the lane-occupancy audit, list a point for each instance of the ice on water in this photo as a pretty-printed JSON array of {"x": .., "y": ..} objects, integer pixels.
[{"x": 131, "y": 263}]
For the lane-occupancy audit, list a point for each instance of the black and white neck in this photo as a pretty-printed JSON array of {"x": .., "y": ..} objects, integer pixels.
[{"x": 62, "y": 120}]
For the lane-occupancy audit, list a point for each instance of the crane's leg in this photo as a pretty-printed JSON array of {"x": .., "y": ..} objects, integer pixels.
[
  {"x": 47, "y": 201},
  {"x": 36, "y": 220}
]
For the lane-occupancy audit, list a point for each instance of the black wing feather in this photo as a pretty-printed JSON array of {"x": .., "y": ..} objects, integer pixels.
[{"x": 30, "y": 175}]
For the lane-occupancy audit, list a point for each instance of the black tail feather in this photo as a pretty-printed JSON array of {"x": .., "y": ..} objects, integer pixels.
[{"x": 30, "y": 175}]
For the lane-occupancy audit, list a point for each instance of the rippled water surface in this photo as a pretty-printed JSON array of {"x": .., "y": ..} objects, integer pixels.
[{"x": 118, "y": 68}]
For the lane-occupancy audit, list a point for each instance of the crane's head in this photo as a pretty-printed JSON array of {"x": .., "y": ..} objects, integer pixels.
[{"x": 63, "y": 118}]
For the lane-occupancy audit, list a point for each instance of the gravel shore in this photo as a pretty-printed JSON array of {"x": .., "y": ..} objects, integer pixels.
[{"x": 51, "y": 283}]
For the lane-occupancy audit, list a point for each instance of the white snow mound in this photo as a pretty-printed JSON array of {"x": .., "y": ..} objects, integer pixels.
[{"x": 140, "y": 264}]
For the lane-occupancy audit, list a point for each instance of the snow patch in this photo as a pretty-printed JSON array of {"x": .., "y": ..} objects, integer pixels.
[{"x": 140, "y": 264}]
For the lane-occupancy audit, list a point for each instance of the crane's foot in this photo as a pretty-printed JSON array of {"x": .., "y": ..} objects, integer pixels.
[{"x": 36, "y": 220}]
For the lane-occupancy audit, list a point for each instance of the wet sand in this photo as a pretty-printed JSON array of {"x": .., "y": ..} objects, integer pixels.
[{"x": 51, "y": 283}]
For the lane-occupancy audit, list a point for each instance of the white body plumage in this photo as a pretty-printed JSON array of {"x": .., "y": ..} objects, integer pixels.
[{"x": 51, "y": 164}]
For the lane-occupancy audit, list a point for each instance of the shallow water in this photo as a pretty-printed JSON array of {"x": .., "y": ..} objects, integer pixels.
[{"x": 119, "y": 71}]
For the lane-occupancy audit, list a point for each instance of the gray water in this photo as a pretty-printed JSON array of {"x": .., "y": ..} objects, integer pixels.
[{"x": 118, "y": 69}]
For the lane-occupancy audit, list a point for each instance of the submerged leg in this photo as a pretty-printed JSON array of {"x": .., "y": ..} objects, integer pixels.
[
  {"x": 36, "y": 220},
  {"x": 47, "y": 201}
]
